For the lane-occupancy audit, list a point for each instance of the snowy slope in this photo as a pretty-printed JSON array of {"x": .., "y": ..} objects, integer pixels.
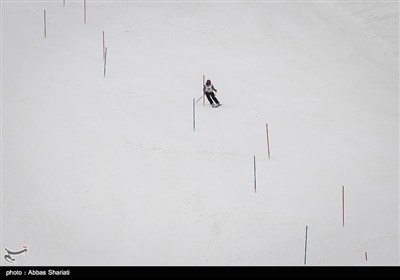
[{"x": 108, "y": 171}]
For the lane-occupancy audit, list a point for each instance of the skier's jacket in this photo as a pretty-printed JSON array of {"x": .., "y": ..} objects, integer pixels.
[{"x": 209, "y": 88}]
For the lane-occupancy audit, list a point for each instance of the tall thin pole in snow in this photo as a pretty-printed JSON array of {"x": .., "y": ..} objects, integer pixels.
[
  {"x": 194, "y": 115},
  {"x": 104, "y": 46},
  {"x": 204, "y": 99},
  {"x": 343, "y": 205},
  {"x": 45, "y": 23},
  {"x": 366, "y": 256},
  {"x": 255, "y": 174},
  {"x": 63, "y": 3},
  {"x": 305, "y": 247},
  {"x": 267, "y": 140},
  {"x": 105, "y": 61},
  {"x": 84, "y": 11}
]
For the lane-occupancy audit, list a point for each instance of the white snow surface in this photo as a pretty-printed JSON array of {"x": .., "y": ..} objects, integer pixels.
[{"x": 108, "y": 170}]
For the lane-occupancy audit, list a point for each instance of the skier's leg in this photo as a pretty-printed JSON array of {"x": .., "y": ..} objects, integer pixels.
[
  {"x": 209, "y": 98},
  {"x": 214, "y": 98}
]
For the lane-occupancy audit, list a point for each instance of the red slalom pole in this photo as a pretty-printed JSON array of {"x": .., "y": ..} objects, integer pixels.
[
  {"x": 343, "y": 205},
  {"x": 45, "y": 23},
  {"x": 84, "y": 11},
  {"x": 105, "y": 62},
  {"x": 267, "y": 140},
  {"x": 305, "y": 247},
  {"x": 194, "y": 115},
  {"x": 255, "y": 175},
  {"x": 204, "y": 100}
]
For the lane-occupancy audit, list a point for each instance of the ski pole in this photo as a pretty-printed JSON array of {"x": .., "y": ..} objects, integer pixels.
[{"x": 200, "y": 98}]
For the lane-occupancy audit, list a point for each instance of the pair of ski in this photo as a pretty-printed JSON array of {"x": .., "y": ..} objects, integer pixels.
[{"x": 214, "y": 106}]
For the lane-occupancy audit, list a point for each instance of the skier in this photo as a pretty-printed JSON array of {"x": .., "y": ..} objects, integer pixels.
[{"x": 208, "y": 90}]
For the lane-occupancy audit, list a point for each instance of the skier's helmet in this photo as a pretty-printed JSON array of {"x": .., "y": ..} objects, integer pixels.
[{"x": 208, "y": 82}]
